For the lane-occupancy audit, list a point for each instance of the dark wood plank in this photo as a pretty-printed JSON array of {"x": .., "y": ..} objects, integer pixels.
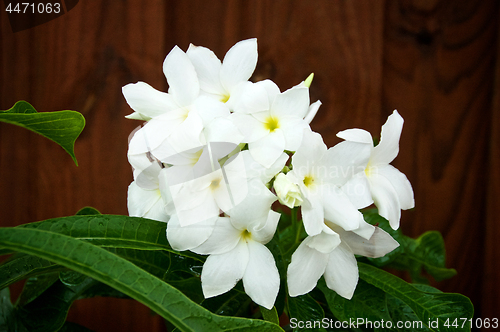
[
  {"x": 438, "y": 60},
  {"x": 491, "y": 293},
  {"x": 79, "y": 61},
  {"x": 432, "y": 60}
]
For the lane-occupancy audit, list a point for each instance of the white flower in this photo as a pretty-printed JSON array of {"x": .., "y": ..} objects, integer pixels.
[
  {"x": 219, "y": 80},
  {"x": 144, "y": 198},
  {"x": 288, "y": 193},
  {"x": 321, "y": 174},
  {"x": 331, "y": 254},
  {"x": 390, "y": 189},
  {"x": 236, "y": 245},
  {"x": 148, "y": 102},
  {"x": 270, "y": 121}
]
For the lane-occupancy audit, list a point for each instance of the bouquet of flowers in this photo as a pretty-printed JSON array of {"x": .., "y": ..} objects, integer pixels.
[{"x": 222, "y": 167}]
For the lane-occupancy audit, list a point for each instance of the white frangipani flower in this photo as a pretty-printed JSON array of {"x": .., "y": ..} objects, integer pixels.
[
  {"x": 236, "y": 245},
  {"x": 220, "y": 80},
  {"x": 320, "y": 173},
  {"x": 272, "y": 121},
  {"x": 331, "y": 254},
  {"x": 390, "y": 189}
]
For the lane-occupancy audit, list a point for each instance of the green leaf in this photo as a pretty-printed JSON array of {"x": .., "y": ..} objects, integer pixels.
[
  {"x": 191, "y": 287},
  {"x": 21, "y": 266},
  {"x": 368, "y": 302},
  {"x": 48, "y": 311},
  {"x": 427, "y": 252},
  {"x": 86, "y": 211},
  {"x": 270, "y": 315},
  {"x": 6, "y": 311},
  {"x": 306, "y": 310},
  {"x": 275, "y": 247},
  {"x": 428, "y": 306},
  {"x": 62, "y": 127},
  {"x": 111, "y": 231},
  {"x": 36, "y": 286},
  {"x": 124, "y": 276},
  {"x": 233, "y": 303}
]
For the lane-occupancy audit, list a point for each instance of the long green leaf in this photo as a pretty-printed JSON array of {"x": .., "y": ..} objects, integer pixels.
[
  {"x": 21, "y": 266},
  {"x": 305, "y": 313},
  {"x": 429, "y": 307},
  {"x": 111, "y": 231},
  {"x": 426, "y": 252},
  {"x": 48, "y": 311},
  {"x": 62, "y": 127},
  {"x": 124, "y": 276},
  {"x": 368, "y": 302}
]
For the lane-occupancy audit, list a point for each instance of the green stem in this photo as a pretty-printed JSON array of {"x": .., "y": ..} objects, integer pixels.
[{"x": 297, "y": 223}]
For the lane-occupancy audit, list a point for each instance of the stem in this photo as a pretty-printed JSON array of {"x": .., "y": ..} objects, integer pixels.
[{"x": 296, "y": 223}]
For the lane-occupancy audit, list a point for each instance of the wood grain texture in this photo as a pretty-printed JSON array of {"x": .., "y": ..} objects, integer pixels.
[
  {"x": 438, "y": 60},
  {"x": 79, "y": 61},
  {"x": 491, "y": 292},
  {"x": 432, "y": 60}
]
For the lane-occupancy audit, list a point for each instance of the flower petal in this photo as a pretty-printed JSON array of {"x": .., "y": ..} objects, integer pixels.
[
  {"x": 339, "y": 209},
  {"x": 401, "y": 185},
  {"x": 325, "y": 242},
  {"x": 191, "y": 236},
  {"x": 209, "y": 109},
  {"x": 310, "y": 152},
  {"x": 307, "y": 266},
  {"x": 263, "y": 232},
  {"x": 311, "y": 113},
  {"x": 388, "y": 148},
  {"x": 239, "y": 63},
  {"x": 251, "y": 128},
  {"x": 181, "y": 77},
  {"x": 248, "y": 98},
  {"x": 344, "y": 160},
  {"x": 386, "y": 199},
  {"x": 140, "y": 201},
  {"x": 256, "y": 205},
  {"x": 221, "y": 272},
  {"x": 207, "y": 67},
  {"x": 268, "y": 149},
  {"x": 358, "y": 191},
  {"x": 148, "y": 101},
  {"x": 261, "y": 279},
  {"x": 379, "y": 244},
  {"x": 341, "y": 273},
  {"x": 293, "y": 129},
  {"x": 293, "y": 103},
  {"x": 356, "y": 135},
  {"x": 223, "y": 238},
  {"x": 313, "y": 214},
  {"x": 255, "y": 170}
]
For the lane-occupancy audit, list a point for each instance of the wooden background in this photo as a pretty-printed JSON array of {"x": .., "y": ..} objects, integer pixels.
[{"x": 437, "y": 62}]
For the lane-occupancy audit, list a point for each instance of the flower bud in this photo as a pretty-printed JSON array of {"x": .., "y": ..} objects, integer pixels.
[{"x": 288, "y": 192}]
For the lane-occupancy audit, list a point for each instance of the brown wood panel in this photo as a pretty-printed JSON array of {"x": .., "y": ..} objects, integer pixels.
[
  {"x": 438, "y": 60},
  {"x": 79, "y": 61},
  {"x": 491, "y": 292},
  {"x": 432, "y": 60}
]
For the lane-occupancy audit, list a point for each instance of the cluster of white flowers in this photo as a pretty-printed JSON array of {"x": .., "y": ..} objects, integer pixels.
[{"x": 214, "y": 155}]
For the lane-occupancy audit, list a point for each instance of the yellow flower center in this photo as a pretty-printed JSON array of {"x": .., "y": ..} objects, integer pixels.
[
  {"x": 215, "y": 184},
  {"x": 225, "y": 97},
  {"x": 246, "y": 235},
  {"x": 368, "y": 170},
  {"x": 308, "y": 180},
  {"x": 271, "y": 123}
]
